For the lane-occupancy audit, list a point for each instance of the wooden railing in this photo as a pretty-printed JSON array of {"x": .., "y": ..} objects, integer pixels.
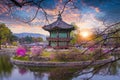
[
  {"x": 61, "y": 47},
  {"x": 58, "y": 39}
]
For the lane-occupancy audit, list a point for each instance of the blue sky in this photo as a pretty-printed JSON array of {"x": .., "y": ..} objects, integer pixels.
[{"x": 87, "y": 14}]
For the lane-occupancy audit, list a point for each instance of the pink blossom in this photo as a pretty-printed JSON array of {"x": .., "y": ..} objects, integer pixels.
[
  {"x": 91, "y": 49},
  {"x": 20, "y": 51},
  {"x": 52, "y": 56},
  {"x": 105, "y": 50},
  {"x": 36, "y": 49}
]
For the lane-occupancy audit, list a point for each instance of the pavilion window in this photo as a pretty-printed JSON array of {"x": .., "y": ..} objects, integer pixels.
[
  {"x": 53, "y": 44},
  {"x": 62, "y": 43},
  {"x": 62, "y": 35},
  {"x": 53, "y": 35}
]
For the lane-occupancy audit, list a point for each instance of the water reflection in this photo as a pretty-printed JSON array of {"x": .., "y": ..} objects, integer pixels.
[
  {"x": 5, "y": 67},
  {"x": 55, "y": 73},
  {"x": 12, "y": 72},
  {"x": 62, "y": 74},
  {"x": 22, "y": 71}
]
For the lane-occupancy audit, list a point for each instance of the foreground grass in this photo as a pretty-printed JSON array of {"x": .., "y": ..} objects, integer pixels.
[{"x": 25, "y": 58}]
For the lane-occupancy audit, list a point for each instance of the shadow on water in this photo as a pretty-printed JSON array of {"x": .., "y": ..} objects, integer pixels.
[
  {"x": 5, "y": 66},
  {"x": 58, "y": 73},
  {"x": 55, "y": 73}
]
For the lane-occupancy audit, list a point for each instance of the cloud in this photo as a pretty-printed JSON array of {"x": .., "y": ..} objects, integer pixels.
[
  {"x": 19, "y": 0},
  {"x": 16, "y": 28},
  {"x": 88, "y": 14},
  {"x": 89, "y": 21},
  {"x": 3, "y": 9},
  {"x": 111, "y": 8},
  {"x": 96, "y": 9},
  {"x": 71, "y": 16},
  {"x": 94, "y": 3}
]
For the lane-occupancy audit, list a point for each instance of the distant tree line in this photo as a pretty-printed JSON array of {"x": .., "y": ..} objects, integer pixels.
[
  {"x": 29, "y": 39},
  {"x": 7, "y": 37}
]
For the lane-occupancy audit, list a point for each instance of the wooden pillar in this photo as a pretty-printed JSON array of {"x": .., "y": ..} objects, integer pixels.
[
  {"x": 49, "y": 43},
  {"x": 58, "y": 38},
  {"x": 50, "y": 33},
  {"x": 50, "y": 37},
  {"x": 68, "y": 36}
]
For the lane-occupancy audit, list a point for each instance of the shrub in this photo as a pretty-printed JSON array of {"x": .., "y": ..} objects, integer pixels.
[
  {"x": 46, "y": 53},
  {"x": 52, "y": 56},
  {"x": 60, "y": 56},
  {"x": 36, "y": 50},
  {"x": 75, "y": 50},
  {"x": 14, "y": 43},
  {"x": 100, "y": 54},
  {"x": 75, "y": 55},
  {"x": 71, "y": 57},
  {"x": 20, "y": 51}
]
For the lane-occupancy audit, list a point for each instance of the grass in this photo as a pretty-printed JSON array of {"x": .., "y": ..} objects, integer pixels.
[
  {"x": 45, "y": 53},
  {"x": 25, "y": 58}
]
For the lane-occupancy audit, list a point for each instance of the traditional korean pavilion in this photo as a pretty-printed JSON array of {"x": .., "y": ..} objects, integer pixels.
[{"x": 59, "y": 33}]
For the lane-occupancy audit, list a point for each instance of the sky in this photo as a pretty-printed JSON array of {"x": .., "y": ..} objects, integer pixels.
[{"x": 84, "y": 13}]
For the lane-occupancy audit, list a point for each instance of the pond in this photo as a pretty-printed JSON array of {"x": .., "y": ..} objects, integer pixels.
[{"x": 9, "y": 71}]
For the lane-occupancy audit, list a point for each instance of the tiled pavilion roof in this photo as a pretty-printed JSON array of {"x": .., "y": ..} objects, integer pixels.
[{"x": 59, "y": 24}]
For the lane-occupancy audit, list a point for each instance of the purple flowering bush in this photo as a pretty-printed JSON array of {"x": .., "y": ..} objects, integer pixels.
[
  {"x": 38, "y": 54},
  {"x": 21, "y": 51},
  {"x": 36, "y": 50}
]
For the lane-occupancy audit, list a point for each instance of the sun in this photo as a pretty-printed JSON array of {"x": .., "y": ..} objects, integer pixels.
[{"x": 85, "y": 34}]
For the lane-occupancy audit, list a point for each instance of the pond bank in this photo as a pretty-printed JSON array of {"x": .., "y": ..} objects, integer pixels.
[{"x": 59, "y": 64}]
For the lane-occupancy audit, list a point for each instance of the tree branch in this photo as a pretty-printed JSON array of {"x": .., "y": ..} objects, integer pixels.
[{"x": 16, "y": 3}]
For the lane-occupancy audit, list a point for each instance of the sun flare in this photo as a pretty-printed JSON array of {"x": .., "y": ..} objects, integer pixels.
[{"x": 85, "y": 34}]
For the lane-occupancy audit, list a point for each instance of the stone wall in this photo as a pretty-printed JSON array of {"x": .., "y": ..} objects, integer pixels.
[{"x": 58, "y": 64}]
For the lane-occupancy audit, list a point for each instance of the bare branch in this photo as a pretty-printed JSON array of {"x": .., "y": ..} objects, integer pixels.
[
  {"x": 33, "y": 17},
  {"x": 45, "y": 14},
  {"x": 101, "y": 34},
  {"x": 16, "y": 3},
  {"x": 65, "y": 6}
]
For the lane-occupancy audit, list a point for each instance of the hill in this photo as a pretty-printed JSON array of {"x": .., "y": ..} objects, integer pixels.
[{"x": 20, "y": 35}]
